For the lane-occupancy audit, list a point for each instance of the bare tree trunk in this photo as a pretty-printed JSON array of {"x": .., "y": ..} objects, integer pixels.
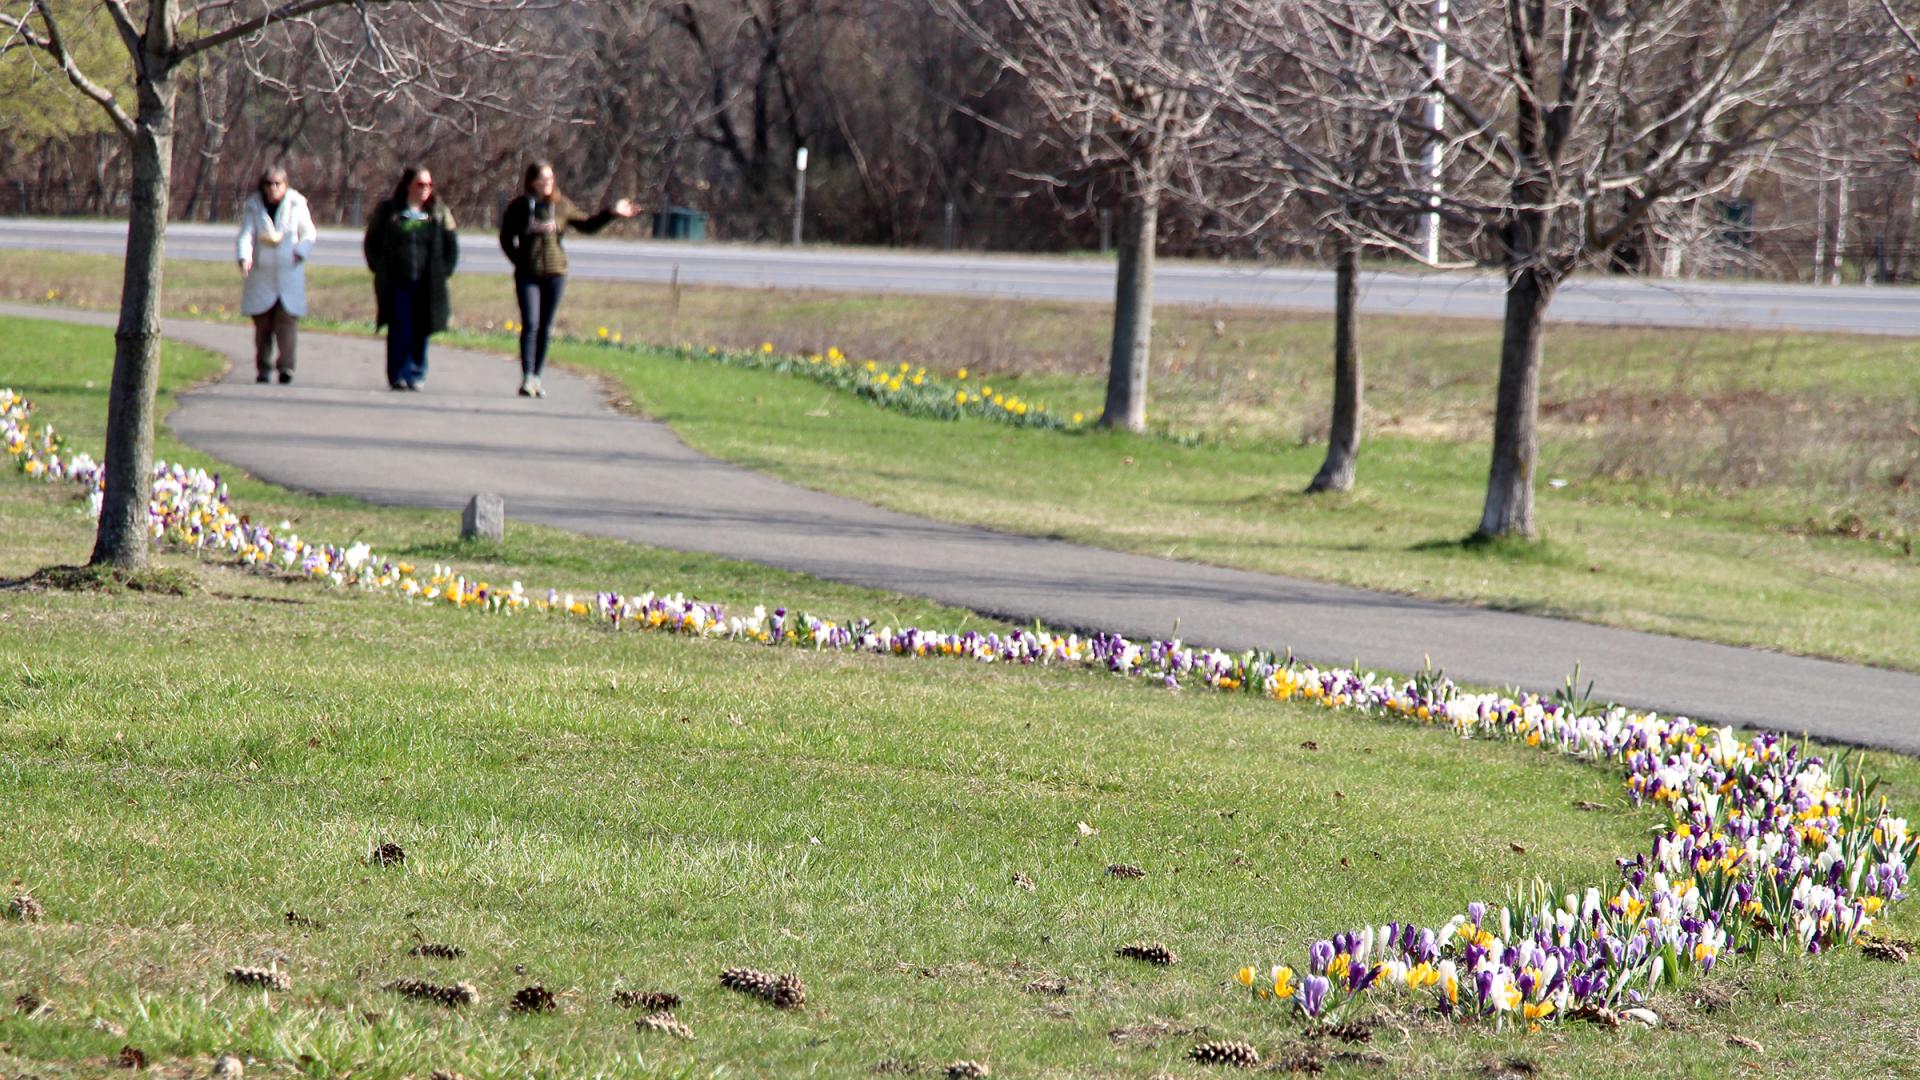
[
  {"x": 1838, "y": 253},
  {"x": 1343, "y": 440},
  {"x": 1516, "y": 443},
  {"x": 121, "y": 539},
  {"x": 1133, "y": 313}
]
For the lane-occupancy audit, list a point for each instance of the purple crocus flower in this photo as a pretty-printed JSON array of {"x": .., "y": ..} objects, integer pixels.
[
  {"x": 1313, "y": 994},
  {"x": 1319, "y": 955}
]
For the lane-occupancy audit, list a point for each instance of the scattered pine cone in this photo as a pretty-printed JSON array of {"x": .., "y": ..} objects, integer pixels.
[
  {"x": 24, "y": 908},
  {"x": 304, "y": 922},
  {"x": 29, "y": 1003},
  {"x": 1232, "y": 1053},
  {"x": 132, "y": 1057},
  {"x": 747, "y": 981},
  {"x": 532, "y": 999},
  {"x": 387, "y": 854},
  {"x": 784, "y": 991},
  {"x": 665, "y": 1023},
  {"x": 461, "y": 993},
  {"x": 436, "y": 950},
  {"x": 967, "y": 1070},
  {"x": 788, "y": 992},
  {"x": 1890, "y": 951},
  {"x": 653, "y": 1001},
  {"x": 1023, "y": 881},
  {"x": 1122, "y": 870},
  {"x": 1596, "y": 1014},
  {"x": 1353, "y": 1031},
  {"x": 446, "y": 1074},
  {"x": 266, "y": 978},
  {"x": 1154, "y": 953},
  {"x": 228, "y": 1067}
]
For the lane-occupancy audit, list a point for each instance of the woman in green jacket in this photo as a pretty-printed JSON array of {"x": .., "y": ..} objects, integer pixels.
[
  {"x": 412, "y": 248},
  {"x": 530, "y": 230}
]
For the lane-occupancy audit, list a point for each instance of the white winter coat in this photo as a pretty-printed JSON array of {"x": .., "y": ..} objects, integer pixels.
[{"x": 272, "y": 242}]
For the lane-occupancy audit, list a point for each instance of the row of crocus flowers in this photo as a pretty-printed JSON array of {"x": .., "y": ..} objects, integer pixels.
[{"x": 1761, "y": 840}]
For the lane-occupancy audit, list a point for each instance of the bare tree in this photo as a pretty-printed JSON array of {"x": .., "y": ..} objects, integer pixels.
[
  {"x": 417, "y": 51},
  {"x": 1316, "y": 119},
  {"x": 1575, "y": 125},
  {"x": 1121, "y": 82}
]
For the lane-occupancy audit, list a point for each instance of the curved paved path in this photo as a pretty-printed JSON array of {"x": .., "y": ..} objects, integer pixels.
[{"x": 570, "y": 461}]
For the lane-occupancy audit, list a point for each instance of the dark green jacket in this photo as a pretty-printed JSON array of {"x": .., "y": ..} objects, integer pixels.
[
  {"x": 390, "y": 257},
  {"x": 541, "y": 254}
]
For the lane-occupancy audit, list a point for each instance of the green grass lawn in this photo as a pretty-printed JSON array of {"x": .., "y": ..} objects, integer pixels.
[
  {"x": 593, "y": 810},
  {"x": 1747, "y": 488}
]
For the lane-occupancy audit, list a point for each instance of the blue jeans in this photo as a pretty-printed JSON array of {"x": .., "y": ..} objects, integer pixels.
[
  {"x": 539, "y": 298},
  {"x": 407, "y": 333}
]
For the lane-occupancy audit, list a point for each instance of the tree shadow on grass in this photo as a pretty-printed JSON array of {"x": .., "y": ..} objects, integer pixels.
[
  {"x": 112, "y": 580},
  {"x": 1511, "y": 550}
]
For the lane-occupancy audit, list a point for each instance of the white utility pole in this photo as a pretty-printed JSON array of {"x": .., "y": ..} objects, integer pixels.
[
  {"x": 1436, "y": 117},
  {"x": 799, "y": 191}
]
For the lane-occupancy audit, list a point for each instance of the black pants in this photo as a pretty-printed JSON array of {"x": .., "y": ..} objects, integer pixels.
[
  {"x": 539, "y": 298},
  {"x": 407, "y": 333}
]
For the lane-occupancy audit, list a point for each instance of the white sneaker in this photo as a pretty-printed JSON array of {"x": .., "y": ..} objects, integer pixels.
[
  {"x": 526, "y": 386},
  {"x": 538, "y": 389}
]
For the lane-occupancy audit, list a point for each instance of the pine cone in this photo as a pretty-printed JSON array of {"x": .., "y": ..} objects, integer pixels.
[
  {"x": 461, "y": 993},
  {"x": 1353, "y": 1031},
  {"x": 132, "y": 1057},
  {"x": 785, "y": 991},
  {"x": 1890, "y": 951},
  {"x": 387, "y": 854},
  {"x": 1238, "y": 1055},
  {"x": 664, "y": 1023},
  {"x": 1596, "y": 1014},
  {"x": 1122, "y": 870},
  {"x": 1154, "y": 953},
  {"x": 747, "y": 981},
  {"x": 532, "y": 999},
  {"x": 25, "y": 908},
  {"x": 435, "y": 950},
  {"x": 446, "y": 1074},
  {"x": 1023, "y": 881},
  {"x": 788, "y": 992},
  {"x": 29, "y": 1003},
  {"x": 967, "y": 1070},
  {"x": 652, "y": 1001},
  {"x": 228, "y": 1067},
  {"x": 266, "y": 978},
  {"x": 304, "y": 922}
]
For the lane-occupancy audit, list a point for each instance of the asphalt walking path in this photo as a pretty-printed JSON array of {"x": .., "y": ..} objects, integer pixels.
[{"x": 571, "y": 461}]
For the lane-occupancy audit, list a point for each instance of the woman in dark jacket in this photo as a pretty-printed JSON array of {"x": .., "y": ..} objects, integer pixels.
[
  {"x": 531, "y": 227},
  {"x": 412, "y": 248}
]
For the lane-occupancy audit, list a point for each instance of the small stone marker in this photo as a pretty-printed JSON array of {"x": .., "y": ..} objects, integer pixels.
[{"x": 485, "y": 518}]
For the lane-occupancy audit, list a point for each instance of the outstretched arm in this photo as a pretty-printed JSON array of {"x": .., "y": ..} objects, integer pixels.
[{"x": 621, "y": 208}]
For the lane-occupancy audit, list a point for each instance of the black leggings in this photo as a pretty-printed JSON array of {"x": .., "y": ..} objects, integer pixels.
[{"x": 539, "y": 298}]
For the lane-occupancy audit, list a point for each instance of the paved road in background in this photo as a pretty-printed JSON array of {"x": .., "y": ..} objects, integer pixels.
[
  {"x": 572, "y": 462},
  {"x": 1616, "y": 301}
]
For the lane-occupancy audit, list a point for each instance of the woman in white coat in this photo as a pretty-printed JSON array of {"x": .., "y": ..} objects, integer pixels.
[{"x": 276, "y": 234}]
